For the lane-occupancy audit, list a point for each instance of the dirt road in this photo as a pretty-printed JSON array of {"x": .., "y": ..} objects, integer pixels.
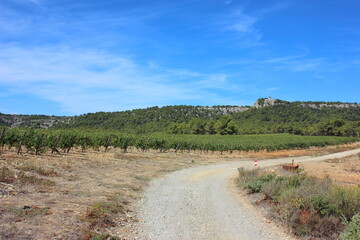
[{"x": 197, "y": 203}]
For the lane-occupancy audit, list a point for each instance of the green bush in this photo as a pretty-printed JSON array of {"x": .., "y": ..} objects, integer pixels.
[
  {"x": 322, "y": 205},
  {"x": 253, "y": 180},
  {"x": 352, "y": 229}
]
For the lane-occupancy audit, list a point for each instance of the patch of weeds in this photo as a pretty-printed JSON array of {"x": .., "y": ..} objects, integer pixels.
[
  {"x": 353, "y": 168},
  {"x": 142, "y": 178},
  {"x": 82, "y": 194},
  {"x": 73, "y": 178},
  {"x": 31, "y": 167},
  {"x": 166, "y": 170},
  {"x": 301, "y": 230},
  {"x": 136, "y": 188},
  {"x": 30, "y": 179},
  {"x": 6, "y": 175},
  {"x": 253, "y": 180},
  {"x": 105, "y": 237},
  {"x": 100, "y": 213},
  {"x": 30, "y": 211},
  {"x": 89, "y": 235}
]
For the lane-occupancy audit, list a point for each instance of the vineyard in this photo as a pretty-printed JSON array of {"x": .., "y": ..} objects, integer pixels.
[{"x": 37, "y": 141}]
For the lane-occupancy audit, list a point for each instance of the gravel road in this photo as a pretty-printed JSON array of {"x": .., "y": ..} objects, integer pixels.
[{"x": 198, "y": 203}]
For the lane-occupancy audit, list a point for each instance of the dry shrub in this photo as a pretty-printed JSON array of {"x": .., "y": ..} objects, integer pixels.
[
  {"x": 6, "y": 175},
  {"x": 33, "y": 180},
  {"x": 31, "y": 167},
  {"x": 99, "y": 214},
  {"x": 30, "y": 211},
  {"x": 328, "y": 226}
]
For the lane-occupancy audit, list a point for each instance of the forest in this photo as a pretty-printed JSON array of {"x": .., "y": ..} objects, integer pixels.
[
  {"x": 284, "y": 117},
  {"x": 267, "y": 116}
]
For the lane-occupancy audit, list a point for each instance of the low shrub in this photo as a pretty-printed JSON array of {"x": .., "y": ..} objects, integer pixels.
[
  {"x": 6, "y": 175},
  {"x": 311, "y": 206},
  {"x": 352, "y": 229},
  {"x": 325, "y": 208},
  {"x": 100, "y": 213},
  {"x": 253, "y": 180},
  {"x": 31, "y": 167}
]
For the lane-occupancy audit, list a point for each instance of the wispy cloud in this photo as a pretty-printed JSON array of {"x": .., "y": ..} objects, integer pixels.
[
  {"x": 227, "y": 2},
  {"x": 244, "y": 23},
  {"x": 272, "y": 8},
  {"x": 298, "y": 63},
  {"x": 36, "y": 2},
  {"x": 286, "y": 59},
  {"x": 91, "y": 80}
]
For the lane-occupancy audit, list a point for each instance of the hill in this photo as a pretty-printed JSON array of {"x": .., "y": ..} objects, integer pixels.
[
  {"x": 265, "y": 116},
  {"x": 34, "y": 121}
]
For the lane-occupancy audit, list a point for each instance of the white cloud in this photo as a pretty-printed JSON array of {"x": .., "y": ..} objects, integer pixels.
[
  {"x": 242, "y": 23},
  {"x": 298, "y": 63},
  {"x": 88, "y": 80}
]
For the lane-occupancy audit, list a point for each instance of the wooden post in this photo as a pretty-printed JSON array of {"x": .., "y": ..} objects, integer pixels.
[
  {"x": 1, "y": 137},
  {"x": 177, "y": 147},
  {"x": 107, "y": 143},
  {"x": 54, "y": 149},
  {"x": 222, "y": 150},
  {"x": 2, "y": 134},
  {"x": 21, "y": 141},
  {"x": 39, "y": 146},
  {"x": 190, "y": 148}
]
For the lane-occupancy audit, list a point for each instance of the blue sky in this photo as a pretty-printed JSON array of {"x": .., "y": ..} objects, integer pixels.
[{"x": 68, "y": 57}]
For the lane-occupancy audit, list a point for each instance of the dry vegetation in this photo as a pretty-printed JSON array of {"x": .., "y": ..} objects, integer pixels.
[
  {"x": 92, "y": 195},
  {"x": 320, "y": 200}
]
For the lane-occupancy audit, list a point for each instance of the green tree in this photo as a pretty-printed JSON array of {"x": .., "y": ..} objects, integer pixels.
[
  {"x": 231, "y": 128},
  {"x": 221, "y": 125}
]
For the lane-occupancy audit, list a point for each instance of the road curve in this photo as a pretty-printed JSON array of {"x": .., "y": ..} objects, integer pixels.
[{"x": 197, "y": 204}]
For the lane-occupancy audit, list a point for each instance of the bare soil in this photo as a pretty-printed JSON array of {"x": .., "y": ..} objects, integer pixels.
[
  {"x": 345, "y": 171},
  {"x": 59, "y": 196}
]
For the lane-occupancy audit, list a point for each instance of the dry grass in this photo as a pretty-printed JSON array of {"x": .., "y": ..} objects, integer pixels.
[{"x": 78, "y": 194}]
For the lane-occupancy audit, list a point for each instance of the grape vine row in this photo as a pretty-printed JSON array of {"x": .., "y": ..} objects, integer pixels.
[{"x": 38, "y": 141}]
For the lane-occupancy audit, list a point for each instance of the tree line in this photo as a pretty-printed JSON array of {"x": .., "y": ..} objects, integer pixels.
[{"x": 226, "y": 125}]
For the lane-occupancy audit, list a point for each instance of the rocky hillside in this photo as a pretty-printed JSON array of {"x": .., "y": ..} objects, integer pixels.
[
  {"x": 264, "y": 111},
  {"x": 267, "y": 102},
  {"x": 35, "y": 121}
]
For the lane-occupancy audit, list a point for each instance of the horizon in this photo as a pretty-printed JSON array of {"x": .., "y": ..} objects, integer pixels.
[{"x": 67, "y": 58}]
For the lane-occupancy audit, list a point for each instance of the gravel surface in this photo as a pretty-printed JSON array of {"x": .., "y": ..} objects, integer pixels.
[{"x": 197, "y": 203}]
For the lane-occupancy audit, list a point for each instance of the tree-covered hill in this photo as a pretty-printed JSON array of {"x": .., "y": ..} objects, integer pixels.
[
  {"x": 152, "y": 119},
  {"x": 266, "y": 116}
]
